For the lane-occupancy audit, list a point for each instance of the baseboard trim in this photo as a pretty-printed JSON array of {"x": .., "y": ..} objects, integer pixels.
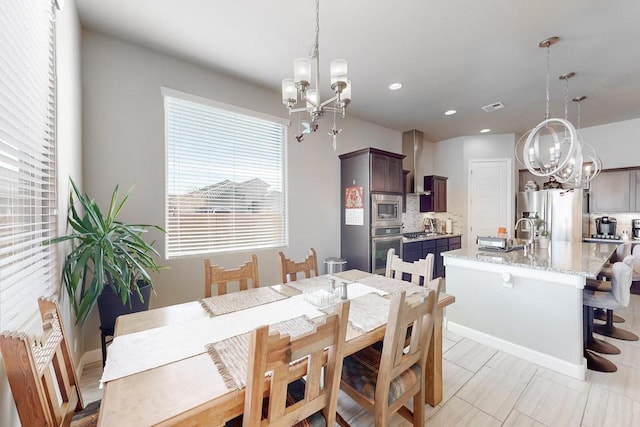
[
  {"x": 562, "y": 366},
  {"x": 88, "y": 358}
]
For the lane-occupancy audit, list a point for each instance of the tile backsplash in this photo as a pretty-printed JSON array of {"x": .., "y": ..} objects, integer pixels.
[{"x": 413, "y": 219}]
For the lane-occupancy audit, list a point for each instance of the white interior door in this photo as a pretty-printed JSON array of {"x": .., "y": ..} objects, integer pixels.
[{"x": 490, "y": 194}]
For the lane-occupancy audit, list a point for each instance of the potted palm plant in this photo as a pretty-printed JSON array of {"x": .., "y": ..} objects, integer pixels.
[{"x": 109, "y": 259}]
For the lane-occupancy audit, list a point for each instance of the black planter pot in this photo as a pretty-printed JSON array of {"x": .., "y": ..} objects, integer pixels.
[{"x": 110, "y": 307}]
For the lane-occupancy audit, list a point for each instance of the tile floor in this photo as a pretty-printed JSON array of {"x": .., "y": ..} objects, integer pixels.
[{"x": 486, "y": 387}]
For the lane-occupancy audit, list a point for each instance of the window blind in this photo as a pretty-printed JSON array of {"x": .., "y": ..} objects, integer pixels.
[
  {"x": 225, "y": 181},
  {"x": 27, "y": 158}
]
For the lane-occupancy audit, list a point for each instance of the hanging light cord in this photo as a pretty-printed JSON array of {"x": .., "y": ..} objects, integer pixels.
[
  {"x": 547, "y": 114},
  {"x": 316, "y": 45},
  {"x": 579, "y": 116}
]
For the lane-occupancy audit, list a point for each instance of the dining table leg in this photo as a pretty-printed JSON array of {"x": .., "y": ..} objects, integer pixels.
[{"x": 433, "y": 377}]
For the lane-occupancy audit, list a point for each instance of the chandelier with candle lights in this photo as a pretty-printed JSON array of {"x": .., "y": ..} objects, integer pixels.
[{"x": 305, "y": 86}]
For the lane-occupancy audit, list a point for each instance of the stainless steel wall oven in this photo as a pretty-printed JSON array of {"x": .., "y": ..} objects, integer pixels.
[{"x": 383, "y": 239}]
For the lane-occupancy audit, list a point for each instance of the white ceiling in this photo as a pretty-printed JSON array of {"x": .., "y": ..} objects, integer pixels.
[{"x": 450, "y": 54}]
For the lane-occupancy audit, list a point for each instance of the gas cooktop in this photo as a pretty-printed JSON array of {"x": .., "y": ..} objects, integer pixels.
[{"x": 418, "y": 234}]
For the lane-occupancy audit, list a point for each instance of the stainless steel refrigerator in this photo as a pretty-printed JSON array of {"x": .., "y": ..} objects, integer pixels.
[{"x": 564, "y": 213}]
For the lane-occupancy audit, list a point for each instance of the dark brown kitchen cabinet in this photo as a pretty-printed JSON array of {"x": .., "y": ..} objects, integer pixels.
[
  {"x": 436, "y": 201},
  {"x": 386, "y": 173},
  {"x": 614, "y": 191},
  {"x": 413, "y": 251}
]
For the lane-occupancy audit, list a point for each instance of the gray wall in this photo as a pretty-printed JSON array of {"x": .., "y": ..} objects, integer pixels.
[
  {"x": 123, "y": 130},
  {"x": 69, "y": 164}
]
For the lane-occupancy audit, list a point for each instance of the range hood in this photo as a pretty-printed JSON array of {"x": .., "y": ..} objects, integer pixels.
[{"x": 412, "y": 148}]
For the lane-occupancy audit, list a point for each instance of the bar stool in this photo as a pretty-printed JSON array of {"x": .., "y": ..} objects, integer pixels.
[
  {"x": 590, "y": 342},
  {"x": 616, "y": 299},
  {"x": 622, "y": 251}
]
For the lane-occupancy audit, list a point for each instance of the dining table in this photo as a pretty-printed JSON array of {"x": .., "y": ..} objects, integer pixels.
[{"x": 158, "y": 374}]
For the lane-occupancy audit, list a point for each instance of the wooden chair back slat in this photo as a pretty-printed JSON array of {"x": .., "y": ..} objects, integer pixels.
[
  {"x": 275, "y": 353},
  {"x": 219, "y": 277},
  {"x": 41, "y": 372},
  {"x": 289, "y": 269},
  {"x": 420, "y": 314},
  {"x": 420, "y": 271}
]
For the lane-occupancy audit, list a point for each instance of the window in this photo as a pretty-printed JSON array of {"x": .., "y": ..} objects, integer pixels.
[
  {"x": 225, "y": 188},
  {"x": 27, "y": 158}
]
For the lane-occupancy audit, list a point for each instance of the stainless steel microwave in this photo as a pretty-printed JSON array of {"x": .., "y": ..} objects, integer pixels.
[{"x": 386, "y": 210}]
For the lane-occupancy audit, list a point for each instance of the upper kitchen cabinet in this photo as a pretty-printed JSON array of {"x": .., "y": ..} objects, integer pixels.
[
  {"x": 377, "y": 171},
  {"x": 615, "y": 191},
  {"x": 436, "y": 201},
  {"x": 386, "y": 172}
]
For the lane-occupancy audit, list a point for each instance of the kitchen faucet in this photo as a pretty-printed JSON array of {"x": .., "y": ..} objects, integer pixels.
[{"x": 531, "y": 235}]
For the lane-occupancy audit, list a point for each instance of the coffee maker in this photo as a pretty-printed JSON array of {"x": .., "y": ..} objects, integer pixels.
[
  {"x": 635, "y": 228},
  {"x": 606, "y": 227}
]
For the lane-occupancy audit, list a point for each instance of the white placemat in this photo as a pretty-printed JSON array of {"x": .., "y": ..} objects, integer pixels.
[{"x": 140, "y": 351}]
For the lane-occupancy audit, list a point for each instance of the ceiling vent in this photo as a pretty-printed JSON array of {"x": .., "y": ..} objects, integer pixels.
[{"x": 493, "y": 107}]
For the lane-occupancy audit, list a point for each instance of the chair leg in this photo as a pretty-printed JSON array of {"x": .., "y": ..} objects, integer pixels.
[
  {"x": 602, "y": 315},
  {"x": 418, "y": 407},
  {"x": 609, "y": 330},
  {"x": 592, "y": 343},
  {"x": 341, "y": 421}
]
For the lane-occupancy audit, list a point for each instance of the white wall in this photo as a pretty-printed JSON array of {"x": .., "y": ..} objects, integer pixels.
[
  {"x": 123, "y": 125},
  {"x": 615, "y": 143},
  {"x": 68, "y": 160},
  {"x": 451, "y": 159}
]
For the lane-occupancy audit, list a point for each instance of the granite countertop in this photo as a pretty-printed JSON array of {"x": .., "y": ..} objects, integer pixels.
[
  {"x": 429, "y": 237},
  {"x": 609, "y": 241},
  {"x": 583, "y": 258}
]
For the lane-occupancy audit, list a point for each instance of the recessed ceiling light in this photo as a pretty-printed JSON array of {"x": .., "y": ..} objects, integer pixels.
[
  {"x": 395, "y": 86},
  {"x": 450, "y": 112},
  {"x": 485, "y": 130}
]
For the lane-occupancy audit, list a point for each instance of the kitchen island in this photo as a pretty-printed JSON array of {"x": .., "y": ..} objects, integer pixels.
[{"x": 526, "y": 304}]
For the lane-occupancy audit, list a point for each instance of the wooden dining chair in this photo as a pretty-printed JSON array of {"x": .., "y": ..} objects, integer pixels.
[
  {"x": 383, "y": 381},
  {"x": 290, "y": 269},
  {"x": 217, "y": 276},
  {"x": 419, "y": 272},
  {"x": 43, "y": 377},
  {"x": 317, "y": 356}
]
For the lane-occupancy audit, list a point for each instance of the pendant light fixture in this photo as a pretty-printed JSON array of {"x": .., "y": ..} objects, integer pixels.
[
  {"x": 305, "y": 85},
  {"x": 572, "y": 170},
  {"x": 592, "y": 165},
  {"x": 550, "y": 145}
]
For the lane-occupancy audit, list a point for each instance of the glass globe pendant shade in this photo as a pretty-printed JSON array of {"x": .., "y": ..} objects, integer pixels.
[
  {"x": 302, "y": 71},
  {"x": 312, "y": 95},
  {"x": 289, "y": 92},
  {"x": 338, "y": 70},
  {"x": 345, "y": 96}
]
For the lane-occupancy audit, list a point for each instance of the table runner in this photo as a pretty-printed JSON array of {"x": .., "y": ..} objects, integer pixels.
[
  {"x": 390, "y": 285},
  {"x": 236, "y": 301},
  {"x": 140, "y": 351},
  {"x": 313, "y": 283},
  {"x": 231, "y": 355}
]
